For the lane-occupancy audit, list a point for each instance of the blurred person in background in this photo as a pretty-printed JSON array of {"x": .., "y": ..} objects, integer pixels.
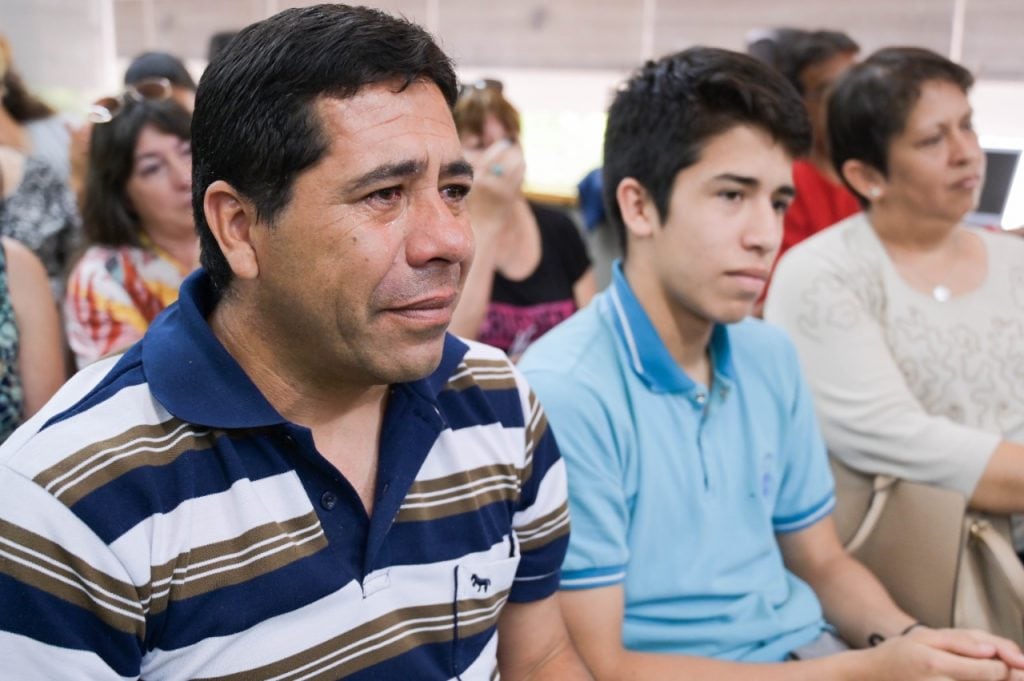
[
  {"x": 530, "y": 268},
  {"x": 144, "y": 72},
  {"x": 139, "y": 225},
  {"x": 924, "y": 314},
  {"x": 38, "y": 209},
  {"x": 150, "y": 65},
  {"x": 31, "y": 350},
  {"x": 812, "y": 61},
  {"x": 27, "y": 123}
]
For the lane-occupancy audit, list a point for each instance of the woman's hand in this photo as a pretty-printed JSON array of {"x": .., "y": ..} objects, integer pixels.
[{"x": 497, "y": 183}]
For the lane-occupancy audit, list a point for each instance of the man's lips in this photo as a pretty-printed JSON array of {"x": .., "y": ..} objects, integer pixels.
[{"x": 433, "y": 309}]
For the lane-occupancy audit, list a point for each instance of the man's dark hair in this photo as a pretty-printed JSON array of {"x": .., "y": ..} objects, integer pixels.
[
  {"x": 107, "y": 216},
  {"x": 255, "y": 124},
  {"x": 871, "y": 102},
  {"x": 159, "y": 65},
  {"x": 669, "y": 109},
  {"x": 218, "y": 41}
]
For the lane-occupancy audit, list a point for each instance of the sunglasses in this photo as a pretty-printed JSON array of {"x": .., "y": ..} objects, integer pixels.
[
  {"x": 106, "y": 109},
  {"x": 479, "y": 86}
]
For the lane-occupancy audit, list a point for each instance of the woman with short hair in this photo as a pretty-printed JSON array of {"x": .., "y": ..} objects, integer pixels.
[{"x": 908, "y": 322}]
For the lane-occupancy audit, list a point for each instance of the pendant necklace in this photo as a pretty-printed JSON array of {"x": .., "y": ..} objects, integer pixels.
[{"x": 940, "y": 292}]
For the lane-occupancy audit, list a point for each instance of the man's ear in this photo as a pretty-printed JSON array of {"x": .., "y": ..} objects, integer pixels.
[
  {"x": 231, "y": 218},
  {"x": 639, "y": 214},
  {"x": 866, "y": 179}
]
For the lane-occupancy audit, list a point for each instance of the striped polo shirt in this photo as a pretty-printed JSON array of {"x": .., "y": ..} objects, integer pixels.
[{"x": 162, "y": 520}]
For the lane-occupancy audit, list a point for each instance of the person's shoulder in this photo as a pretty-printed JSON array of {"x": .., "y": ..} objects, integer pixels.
[
  {"x": 762, "y": 349},
  {"x": 576, "y": 346},
  {"x": 830, "y": 247},
  {"x": 756, "y": 337},
  {"x": 107, "y": 398}
]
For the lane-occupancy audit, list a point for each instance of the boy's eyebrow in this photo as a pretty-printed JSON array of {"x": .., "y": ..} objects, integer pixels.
[{"x": 746, "y": 181}]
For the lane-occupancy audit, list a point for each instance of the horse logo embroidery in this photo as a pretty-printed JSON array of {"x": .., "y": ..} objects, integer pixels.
[{"x": 481, "y": 583}]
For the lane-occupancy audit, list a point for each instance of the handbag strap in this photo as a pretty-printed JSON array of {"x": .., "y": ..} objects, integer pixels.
[
  {"x": 1004, "y": 556},
  {"x": 881, "y": 488}
]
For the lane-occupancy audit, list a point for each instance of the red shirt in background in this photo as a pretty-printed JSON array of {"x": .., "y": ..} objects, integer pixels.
[{"x": 819, "y": 204}]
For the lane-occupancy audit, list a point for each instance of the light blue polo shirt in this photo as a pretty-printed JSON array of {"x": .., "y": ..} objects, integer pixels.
[{"x": 677, "y": 491}]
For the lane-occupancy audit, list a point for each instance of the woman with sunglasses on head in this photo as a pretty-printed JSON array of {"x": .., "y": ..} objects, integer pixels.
[
  {"x": 909, "y": 323},
  {"x": 138, "y": 221},
  {"x": 530, "y": 267}
]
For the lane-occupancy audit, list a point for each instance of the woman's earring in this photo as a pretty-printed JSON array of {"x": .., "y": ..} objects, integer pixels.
[{"x": 874, "y": 192}]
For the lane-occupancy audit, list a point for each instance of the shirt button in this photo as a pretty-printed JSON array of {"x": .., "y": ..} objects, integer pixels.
[
  {"x": 701, "y": 398},
  {"x": 328, "y": 500}
]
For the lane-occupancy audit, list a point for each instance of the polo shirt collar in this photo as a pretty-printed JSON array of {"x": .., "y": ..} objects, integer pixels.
[
  {"x": 649, "y": 358},
  {"x": 197, "y": 380}
]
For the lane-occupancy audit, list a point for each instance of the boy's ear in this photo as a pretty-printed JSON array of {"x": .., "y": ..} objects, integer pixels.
[
  {"x": 639, "y": 214},
  {"x": 866, "y": 179},
  {"x": 231, "y": 218}
]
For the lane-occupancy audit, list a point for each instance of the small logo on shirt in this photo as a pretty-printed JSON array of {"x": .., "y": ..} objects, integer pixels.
[
  {"x": 481, "y": 583},
  {"x": 767, "y": 476}
]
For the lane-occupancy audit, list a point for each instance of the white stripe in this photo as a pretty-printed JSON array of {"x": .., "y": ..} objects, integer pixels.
[
  {"x": 449, "y": 490},
  {"x": 558, "y": 521},
  {"x": 210, "y": 519},
  {"x": 137, "y": 616},
  {"x": 460, "y": 497},
  {"x": 456, "y": 451},
  {"x": 624, "y": 321},
  {"x": 551, "y": 494},
  {"x": 133, "y": 406},
  {"x": 25, "y": 658}
]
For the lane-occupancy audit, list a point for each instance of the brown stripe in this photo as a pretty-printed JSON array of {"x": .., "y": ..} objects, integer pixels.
[
  {"x": 455, "y": 507},
  {"x": 488, "y": 374},
  {"x": 238, "y": 550},
  {"x": 404, "y": 620},
  {"x": 71, "y": 568},
  {"x": 465, "y": 477},
  {"x": 497, "y": 602},
  {"x": 104, "y": 468},
  {"x": 530, "y": 540}
]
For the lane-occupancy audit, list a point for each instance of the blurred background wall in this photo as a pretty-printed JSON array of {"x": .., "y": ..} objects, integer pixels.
[{"x": 559, "y": 60}]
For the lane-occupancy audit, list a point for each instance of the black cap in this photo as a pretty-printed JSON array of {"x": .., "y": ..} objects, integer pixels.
[{"x": 159, "y": 65}]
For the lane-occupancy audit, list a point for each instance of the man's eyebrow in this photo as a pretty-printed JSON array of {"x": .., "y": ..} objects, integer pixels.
[
  {"x": 384, "y": 173},
  {"x": 460, "y": 168}
]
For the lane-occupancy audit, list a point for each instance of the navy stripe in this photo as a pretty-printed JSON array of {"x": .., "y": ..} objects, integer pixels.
[
  {"x": 65, "y": 625},
  {"x": 218, "y": 612},
  {"x": 414, "y": 542},
  {"x": 474, "y": 406},
  {"x": 537, "y": 563},
  {"x": 121, "y": 504}
]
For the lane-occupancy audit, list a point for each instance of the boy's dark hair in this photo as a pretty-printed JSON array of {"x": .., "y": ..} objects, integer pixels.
[
  {"x": 107, "y": 217},
  {"x": 871, "y": 102},
  {"x": 255, "y": 124},
  {"x": 159, "y": 65},
  {"x": 667, "y": 111}
]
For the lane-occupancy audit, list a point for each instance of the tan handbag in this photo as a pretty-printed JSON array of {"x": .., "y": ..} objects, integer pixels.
[{"x": 943, "y": 564}]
